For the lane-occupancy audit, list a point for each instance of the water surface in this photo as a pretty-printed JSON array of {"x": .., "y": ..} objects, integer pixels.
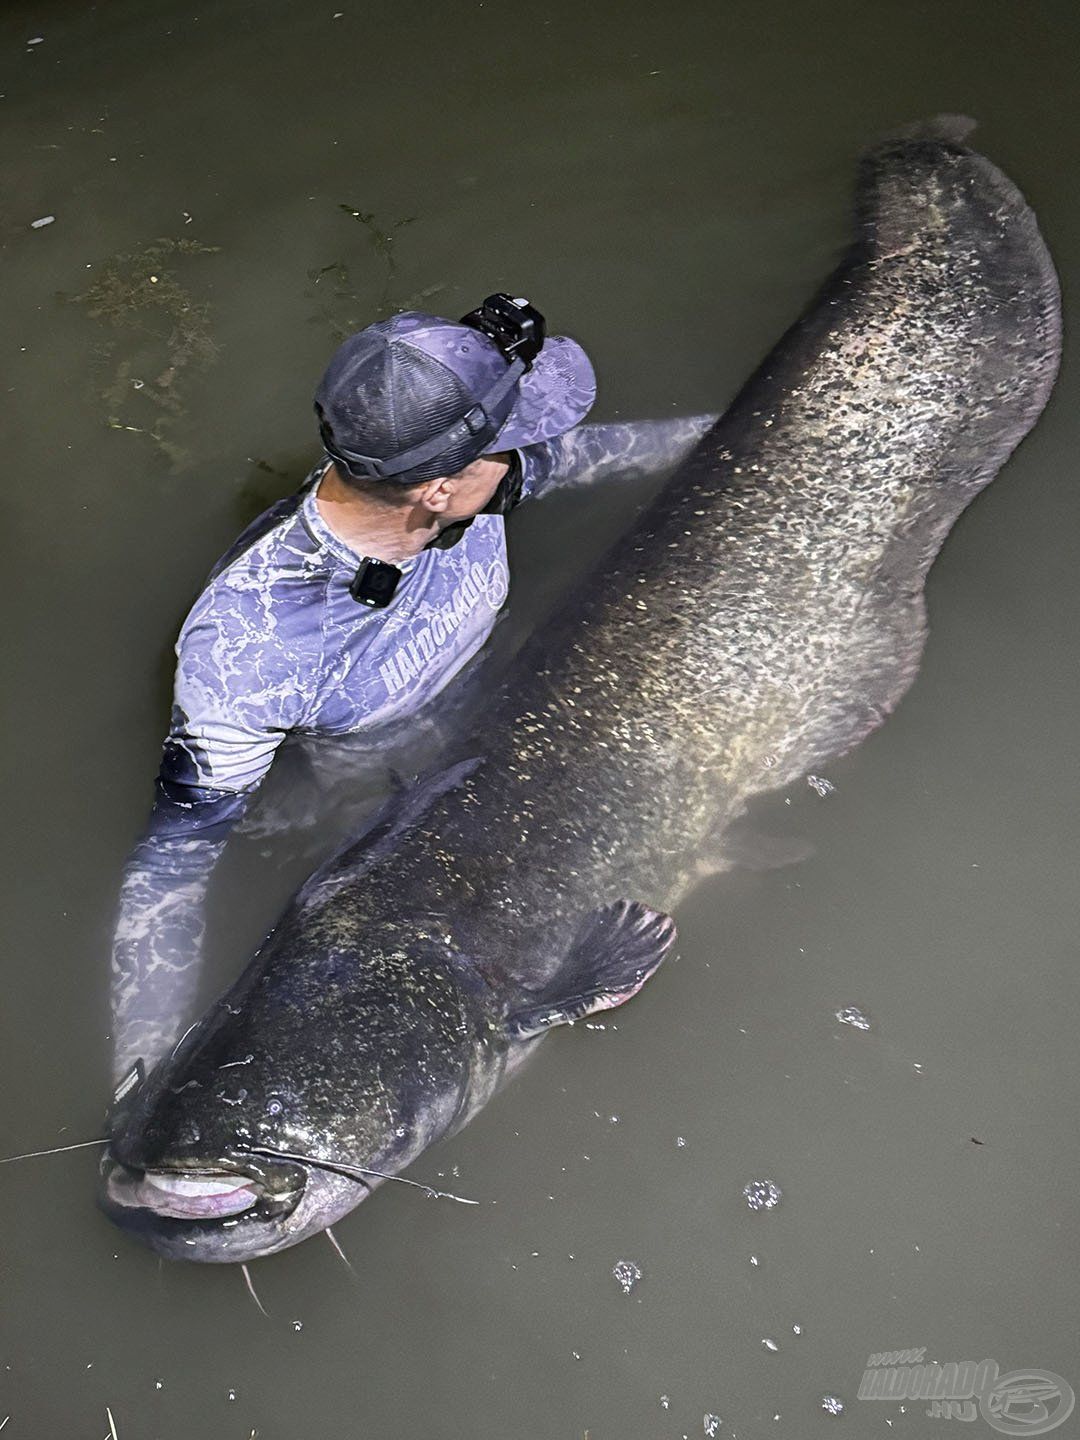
[{"x": 669, "y": 186}]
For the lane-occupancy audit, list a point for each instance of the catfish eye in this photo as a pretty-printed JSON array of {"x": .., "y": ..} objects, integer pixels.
[{"x": 274, "y": 1107}]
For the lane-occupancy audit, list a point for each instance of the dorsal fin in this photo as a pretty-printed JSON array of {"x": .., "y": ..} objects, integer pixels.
[{"x": 404, "y": 809}]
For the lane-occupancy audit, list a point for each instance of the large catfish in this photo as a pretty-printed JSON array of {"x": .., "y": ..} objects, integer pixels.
[{"x": 764, "y": 614}]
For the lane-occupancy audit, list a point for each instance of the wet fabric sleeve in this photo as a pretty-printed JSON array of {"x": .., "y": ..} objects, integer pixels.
[
  {"x": 596, "y": 452},
  {"x": 236, "y": 696},
  {"x": 157, "y": 941}
]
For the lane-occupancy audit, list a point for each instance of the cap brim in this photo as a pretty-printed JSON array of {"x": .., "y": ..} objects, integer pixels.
[{"x": 553, "y": 396}]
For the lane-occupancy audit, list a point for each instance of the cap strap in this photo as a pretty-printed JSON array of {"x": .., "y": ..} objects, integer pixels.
[{"x": 476, "y": 420}]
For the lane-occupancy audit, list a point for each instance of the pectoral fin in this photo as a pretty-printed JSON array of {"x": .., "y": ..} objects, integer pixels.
[{"x": 616, "y": 950}]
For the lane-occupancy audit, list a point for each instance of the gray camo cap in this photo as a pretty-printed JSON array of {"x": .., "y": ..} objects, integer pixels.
[{"x": 398, "y": 383}]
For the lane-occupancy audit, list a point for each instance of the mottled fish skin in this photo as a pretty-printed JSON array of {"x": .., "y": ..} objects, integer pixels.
[{"x": 762, "y": 616}]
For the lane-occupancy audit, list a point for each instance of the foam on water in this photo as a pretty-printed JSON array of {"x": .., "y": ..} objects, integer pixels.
[
  {"x": 762, "y": 1194},
  {"x": 627, "y": 1273}
]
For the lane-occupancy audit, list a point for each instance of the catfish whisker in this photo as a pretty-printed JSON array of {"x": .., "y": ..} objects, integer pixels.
[
  {"x": 59, "y": 1150},
  {"x": 359, "y": 1171},
  {"x": 251, "y": 1289},
  {"x": 334, "y": 1242}
]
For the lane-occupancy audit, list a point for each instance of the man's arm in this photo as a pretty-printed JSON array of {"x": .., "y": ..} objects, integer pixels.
[
  {"x": 237, "y": 694},
  {"x": 157, "y": 943},
  {"x": 595, "y": 452}
]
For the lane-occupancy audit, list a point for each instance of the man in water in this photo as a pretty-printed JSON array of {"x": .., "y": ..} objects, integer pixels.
[{"x": 352, "y": 603}]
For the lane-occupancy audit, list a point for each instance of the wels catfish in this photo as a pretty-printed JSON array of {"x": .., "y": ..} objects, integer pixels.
[{"x": 763, "y": 615}]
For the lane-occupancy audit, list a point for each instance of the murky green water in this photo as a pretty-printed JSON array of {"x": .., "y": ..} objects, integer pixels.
[{"x": 669, "y": 186}]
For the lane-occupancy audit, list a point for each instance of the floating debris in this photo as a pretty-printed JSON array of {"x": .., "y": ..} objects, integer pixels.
[
  {"x": 820, "y": 785},
  {"x": 37, "y": 40},
  {"x": 853, "y": 1016},
  {"x": 762, "y": 1195},
  {"x": 796, "y": 1329},
  {"x": 627, "y": 1274},
  {"x": 45, "y": 220},
  {"x": 770, "y": 1345},
  {"x": 680, "y": 1141},
  {"x": 298, "y": 1325},
  {"x": 665, "y": 1402},
  {"x": 159, "y": 1384},
  {"x": 230, "y": 1394},
  {"x": 711, "y": 1425},
  {"x": 832, "y": 1404},
  {"x": 754, "y": 1260}
]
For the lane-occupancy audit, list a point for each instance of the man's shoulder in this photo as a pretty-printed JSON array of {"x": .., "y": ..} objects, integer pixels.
[
  {"x": 278, "y": 539},
  {"x": 269, "y": 589}
]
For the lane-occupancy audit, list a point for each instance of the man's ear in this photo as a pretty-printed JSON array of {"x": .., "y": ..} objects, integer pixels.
[{"x": 437, "y": 495}]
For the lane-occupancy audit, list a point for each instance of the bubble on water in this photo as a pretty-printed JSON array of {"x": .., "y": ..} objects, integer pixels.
[
  {"x": 298, "y": 1325},
  {"x": 820, "y": 785},
  {"x": 627, "y": 1274},
  {"x": 832, "y": 1404},
  {"x": 762, "y": 1195},
  {"x": 770, "y": 1344},
  {"x": 665, "y": 1402},
  {"x": 712, "y": 1425},
  {"x": 853, "y": 1016}
]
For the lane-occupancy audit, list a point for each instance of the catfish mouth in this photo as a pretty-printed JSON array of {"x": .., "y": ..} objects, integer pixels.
[
  {"x": 190, "y": 1197},
  {"x": 239, "y": 1205},
  {"x": 186, "y": 1191}
]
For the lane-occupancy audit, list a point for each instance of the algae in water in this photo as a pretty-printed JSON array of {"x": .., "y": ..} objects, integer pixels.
[
  {"x": 158, "y": 337},
  {"x": 346, "y": 305}
]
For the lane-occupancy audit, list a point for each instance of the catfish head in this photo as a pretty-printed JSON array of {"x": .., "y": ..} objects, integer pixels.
[
  {"x": 298, "y": 1092},
  {"x": 324, "y": 1071}
]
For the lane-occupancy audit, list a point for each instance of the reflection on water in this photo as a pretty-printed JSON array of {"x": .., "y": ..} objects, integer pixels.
[{"x": 672, "y": 191}]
